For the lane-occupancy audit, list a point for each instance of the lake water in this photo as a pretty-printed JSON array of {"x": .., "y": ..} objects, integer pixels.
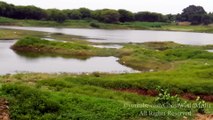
[
  {"x": 210, "y": 51},
  {"x": 125, "y": 36},
  {"x": 10, "y": 62}
]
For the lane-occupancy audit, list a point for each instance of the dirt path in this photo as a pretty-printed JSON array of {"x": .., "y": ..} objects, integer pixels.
[
  {"x": 204, "y": 117},
  {"x": 4, "y": 110}
]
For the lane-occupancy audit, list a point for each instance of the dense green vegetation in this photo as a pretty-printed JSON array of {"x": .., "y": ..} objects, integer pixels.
[
  {"x": 193, "y": 14},
  {"x": 196, "y": 15},
  {"x": 43, "y": 96},
  {"x": 96, "y": 24},
  {"x": 59, "y": 48},
  {"x": 180, "y": 68}
]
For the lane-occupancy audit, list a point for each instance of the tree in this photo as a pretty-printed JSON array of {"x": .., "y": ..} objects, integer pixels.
[
  {"x": 149, "y": 17},
  {"x": 56, "y": 15},
  {"x": 73, "y": 14},
  {"x": 109, "y": 16},
  {"x": 206, "y": 19},
  {"x": 193, "y": 14},
  {"x": 125, "y": 16},
  {"x": 193, "y": 10},
  {"x": 195, "y": 19},
  {"x": 171, "y": 17},
  {"x": 85, "y": 12},
  {"x": 29, "y": 12},
  {"x": 211, "y": 17},
  {"x": 96, "y": 15},
  {"x": 6, "y": 10}
]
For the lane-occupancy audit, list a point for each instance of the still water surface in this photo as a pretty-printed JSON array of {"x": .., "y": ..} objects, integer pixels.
[
  {"x": 11, "y": 62},
  {"x": 125, "y": 36}
]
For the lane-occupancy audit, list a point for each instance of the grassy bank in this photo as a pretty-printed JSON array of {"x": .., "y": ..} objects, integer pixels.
[
  {"x": 6, "y": 34},
  {"x": 189, "y": 63},
  {"x": 152, "y": 56},
  {"x": 183, "y": 69},
  {"x": 96, "y": 24},
  {"x": 67, "y": 49},
  {"x": 81, "y": 97},
  {"x": 161, "y": 55},
  {"x": 178, "y": 65},
  {"x": 9, "y": 34}
]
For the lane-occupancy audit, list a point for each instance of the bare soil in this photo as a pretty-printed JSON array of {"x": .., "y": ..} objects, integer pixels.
[
  {"x": 187, "y": 95},
  {"x": 4, "y": 110}
]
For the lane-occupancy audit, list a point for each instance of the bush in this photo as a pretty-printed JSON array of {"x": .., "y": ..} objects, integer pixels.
[
  {"x": 200, "y": 105},
  {"x": 29, "y": 103},
  {"x": 95, "y": 25},
  {"x": 164, "y": 98}
]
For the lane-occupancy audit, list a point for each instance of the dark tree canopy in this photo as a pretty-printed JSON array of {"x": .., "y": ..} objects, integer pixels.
[
  {"x": 96, "y": 15},
  {"x": 6, "y": 10},
  {"x": 207, "y": 19},
  {"x": 125, "y": 16},
  {"x": 73, "y": 14},
  {"x": 148, "y": 17},
  {"x": 56, "y": 15},
  {"x": 85, "y": 12},
  {"x": 29, "y": 12},
  {"x": 171, "y": 18},
  {"x": 106, "y": 15},
  {"x": 193, "y": 10},
  {"x": 110, "y": 16},
  {"x": 193, "y": 14}
]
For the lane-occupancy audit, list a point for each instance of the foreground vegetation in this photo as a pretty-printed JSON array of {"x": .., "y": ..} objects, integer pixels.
[{"x": 63, "y": 96}]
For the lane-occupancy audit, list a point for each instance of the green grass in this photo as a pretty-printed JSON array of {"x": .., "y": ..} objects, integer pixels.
[
  {"x": 7, "y": 21},
  {"x": 6, "y": 34},
  {"x": 191, "y": 28},
  {"x": 71, "y": 49},
  {"x": 180, "y": 68},
  {"x": 63, "y": 97},
  {"x": 161, "y": 55},
  {"x": 144, "y": 25}
]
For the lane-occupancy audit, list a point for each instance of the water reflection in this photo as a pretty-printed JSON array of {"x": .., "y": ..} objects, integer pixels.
[
  {"x": 11, "y": 62},
  {"x": 125, "y": 36},
  {"x": 108, "y": 46},
  {"x": 210, "y": 51}
]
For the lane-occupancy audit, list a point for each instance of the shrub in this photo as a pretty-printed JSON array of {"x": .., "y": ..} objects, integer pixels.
[
  {"x": 29, "y": 103},
  {"x": 164, "y": 98},
  {"x": 200, "y": 105},
  {"x": 95, "y": 25}
]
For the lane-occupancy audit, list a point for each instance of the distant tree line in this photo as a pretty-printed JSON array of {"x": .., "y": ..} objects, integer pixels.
[
  {"x": 193, "y": 14},
  {"x": 196, "y": 15}
]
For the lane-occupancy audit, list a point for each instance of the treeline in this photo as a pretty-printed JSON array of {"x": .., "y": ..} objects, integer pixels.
[{"x": 194, "y": 14}]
